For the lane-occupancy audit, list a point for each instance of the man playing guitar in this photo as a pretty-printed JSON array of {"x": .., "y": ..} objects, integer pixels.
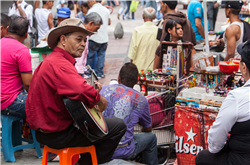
[{"x": 55, "y": 78}]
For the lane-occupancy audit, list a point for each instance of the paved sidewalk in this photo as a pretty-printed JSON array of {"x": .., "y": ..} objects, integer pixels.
[{"x": 116, "y": 56}]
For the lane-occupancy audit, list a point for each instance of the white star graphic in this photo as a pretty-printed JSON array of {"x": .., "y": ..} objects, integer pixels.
[
  {"x": 179, "y": 115},
  {"x": 190, "y": 135}
]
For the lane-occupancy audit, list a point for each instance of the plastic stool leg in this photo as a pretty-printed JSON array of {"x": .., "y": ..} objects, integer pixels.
[
  {"x": 16, "y": 133},
  {"x": 7, "y": 147},
  {"x": 93, "y": 157},
  {"x": 64, "y": 159},
  {"x": 75, "y": 158},
  {"x": 36, "y": 144},
  {"x": 45, "y": 157}
]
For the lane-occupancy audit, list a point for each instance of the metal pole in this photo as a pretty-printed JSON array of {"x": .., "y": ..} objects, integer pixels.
[{"x": 205, "y": 25}]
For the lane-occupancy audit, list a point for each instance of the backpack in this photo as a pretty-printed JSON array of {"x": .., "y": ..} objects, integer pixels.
[
  {"x": 246, "y": 35},
  {"x": 118, "y": 32}
]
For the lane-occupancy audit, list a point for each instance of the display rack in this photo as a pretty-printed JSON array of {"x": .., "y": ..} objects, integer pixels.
[{"x": 180, "y": 58}]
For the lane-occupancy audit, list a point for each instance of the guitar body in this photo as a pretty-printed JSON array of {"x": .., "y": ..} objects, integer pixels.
[{"x": 89, "y": 121}]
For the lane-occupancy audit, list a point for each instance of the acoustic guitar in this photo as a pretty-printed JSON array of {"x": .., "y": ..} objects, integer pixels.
[{"x": 89, "y": 121}]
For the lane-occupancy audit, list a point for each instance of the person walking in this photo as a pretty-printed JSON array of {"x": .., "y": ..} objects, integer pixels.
[
  {"x": 196, "y": 17},
  {"x": 127, "y": 14},
  {"x": 44, "y": 18},
  {"x": 122, "y": 9},
  {"x": 212, "y": 12},
  {"x": 98, "y": 42},
  {"x": 143, "y": 42}
]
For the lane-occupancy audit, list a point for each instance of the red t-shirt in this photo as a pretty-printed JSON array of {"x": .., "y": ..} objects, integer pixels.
[
  {"x": 55, "y": 77},
  {"x": 15, "y": 59}
]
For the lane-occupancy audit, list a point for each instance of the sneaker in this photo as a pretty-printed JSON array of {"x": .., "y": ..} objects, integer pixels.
[
  {"x": 87, "y": 76},
  {"x": 133, "y": 19},
  {"x": 123, "y": 17},
  {"x": 100, "y": 77},
  {"x": 52, "y": 157}
]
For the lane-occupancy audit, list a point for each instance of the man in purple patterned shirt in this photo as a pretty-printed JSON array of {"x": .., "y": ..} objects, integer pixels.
[{"x": 130, "y": 105}]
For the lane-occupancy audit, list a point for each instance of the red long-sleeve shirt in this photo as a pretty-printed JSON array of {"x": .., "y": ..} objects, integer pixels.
[{"x": 55, "y": 77}]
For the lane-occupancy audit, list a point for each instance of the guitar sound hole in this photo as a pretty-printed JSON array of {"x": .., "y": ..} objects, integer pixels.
[{"x": 98, "y": 114}]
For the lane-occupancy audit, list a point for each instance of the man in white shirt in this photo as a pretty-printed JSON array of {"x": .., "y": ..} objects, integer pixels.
[
  {"x": 44, "y": 18},
  {"x": 98, "y": 42},
  {"x": 143, "y": 43},
  {"x": 233, "y": 118},
  {"x": 21, "y": 8}
]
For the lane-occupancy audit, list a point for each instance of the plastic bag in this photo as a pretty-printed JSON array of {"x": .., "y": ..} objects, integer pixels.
[
  {"x": 133, "y": 6},
  {"x": 202, "y": 60}
]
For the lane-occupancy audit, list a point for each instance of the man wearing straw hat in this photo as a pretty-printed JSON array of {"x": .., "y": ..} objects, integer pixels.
[{"x": 56, "y": 77}]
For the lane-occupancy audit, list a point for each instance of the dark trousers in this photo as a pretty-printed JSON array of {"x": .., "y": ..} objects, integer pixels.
[
  {"x": 127, "y": 11},
  {"x": 73, "y": 137},
  {"x": 206, "y": 158},
  {"x": 100, "y": 49},
  {"x": 212, "y": 15}
]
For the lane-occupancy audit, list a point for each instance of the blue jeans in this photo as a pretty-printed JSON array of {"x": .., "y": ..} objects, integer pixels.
[
  {"x": 145, "y": 142},
  {"x": 143, "y": 2},
  {"x": 128, "y": 7},
  {"x": 212, "y": 15},
  {"x": 113, "y": 3},
  {"x": 17, "y": 108},
  {"x": 152, "y": 4},
  {"x": 100, "y": 49},
  {"x": 123, "y": 6},
  {"x": 159, "y": 15}
]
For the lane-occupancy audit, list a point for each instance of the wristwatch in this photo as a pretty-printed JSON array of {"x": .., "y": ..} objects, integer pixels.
[{"x": 18, "y": 5}]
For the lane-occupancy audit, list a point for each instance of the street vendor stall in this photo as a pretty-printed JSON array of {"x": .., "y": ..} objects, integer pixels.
[{"x": 197, "y": 104}]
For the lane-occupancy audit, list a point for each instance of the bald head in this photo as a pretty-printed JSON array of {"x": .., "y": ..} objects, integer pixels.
[{"x": 149, "y": 13}]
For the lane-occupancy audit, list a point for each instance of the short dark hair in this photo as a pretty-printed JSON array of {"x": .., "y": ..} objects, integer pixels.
[
  {"x": 129, "y": 74},
  {"x": 5, "y": 20},
  {"x": 44, "y": 1},
  {"x": 19, "y": 25},
  {"x": 247, "y": 64},
  {"x": 235, "y": 11},
  {"x": 171, "y": 4},
  {"x": 85, "y": 4},
  {"x": 98, "y": 1}
]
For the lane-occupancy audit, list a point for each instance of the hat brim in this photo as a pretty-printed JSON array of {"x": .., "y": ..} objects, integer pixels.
[
  {"x": 62, "y": 15},
  {"x": 57, "y": 32}
]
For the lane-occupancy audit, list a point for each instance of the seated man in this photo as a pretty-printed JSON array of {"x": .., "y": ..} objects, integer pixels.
[
  {"x": 62, "y": 14},
  {"x": 5, "y": 21},
  {"x": 16, "y": 70},
  {"x": 128, "y": 104},
  {"x": 55, "y": 78},
  {"x": 233, "y": 36}
]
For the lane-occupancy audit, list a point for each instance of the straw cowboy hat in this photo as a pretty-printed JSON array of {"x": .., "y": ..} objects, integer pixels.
[{"x": 66, "y": 26}]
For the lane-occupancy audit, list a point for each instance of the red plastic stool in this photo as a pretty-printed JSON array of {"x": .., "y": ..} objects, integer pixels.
[{"x": 69, "y": 156}]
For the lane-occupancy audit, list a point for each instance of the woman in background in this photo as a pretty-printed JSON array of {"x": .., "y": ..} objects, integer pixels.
[
  {"x": 174, "y": 32},
  {"x": 84, "y": 11}
]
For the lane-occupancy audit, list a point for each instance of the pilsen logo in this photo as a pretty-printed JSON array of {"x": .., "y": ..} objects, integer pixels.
[{"x": 186, "y": 148}]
